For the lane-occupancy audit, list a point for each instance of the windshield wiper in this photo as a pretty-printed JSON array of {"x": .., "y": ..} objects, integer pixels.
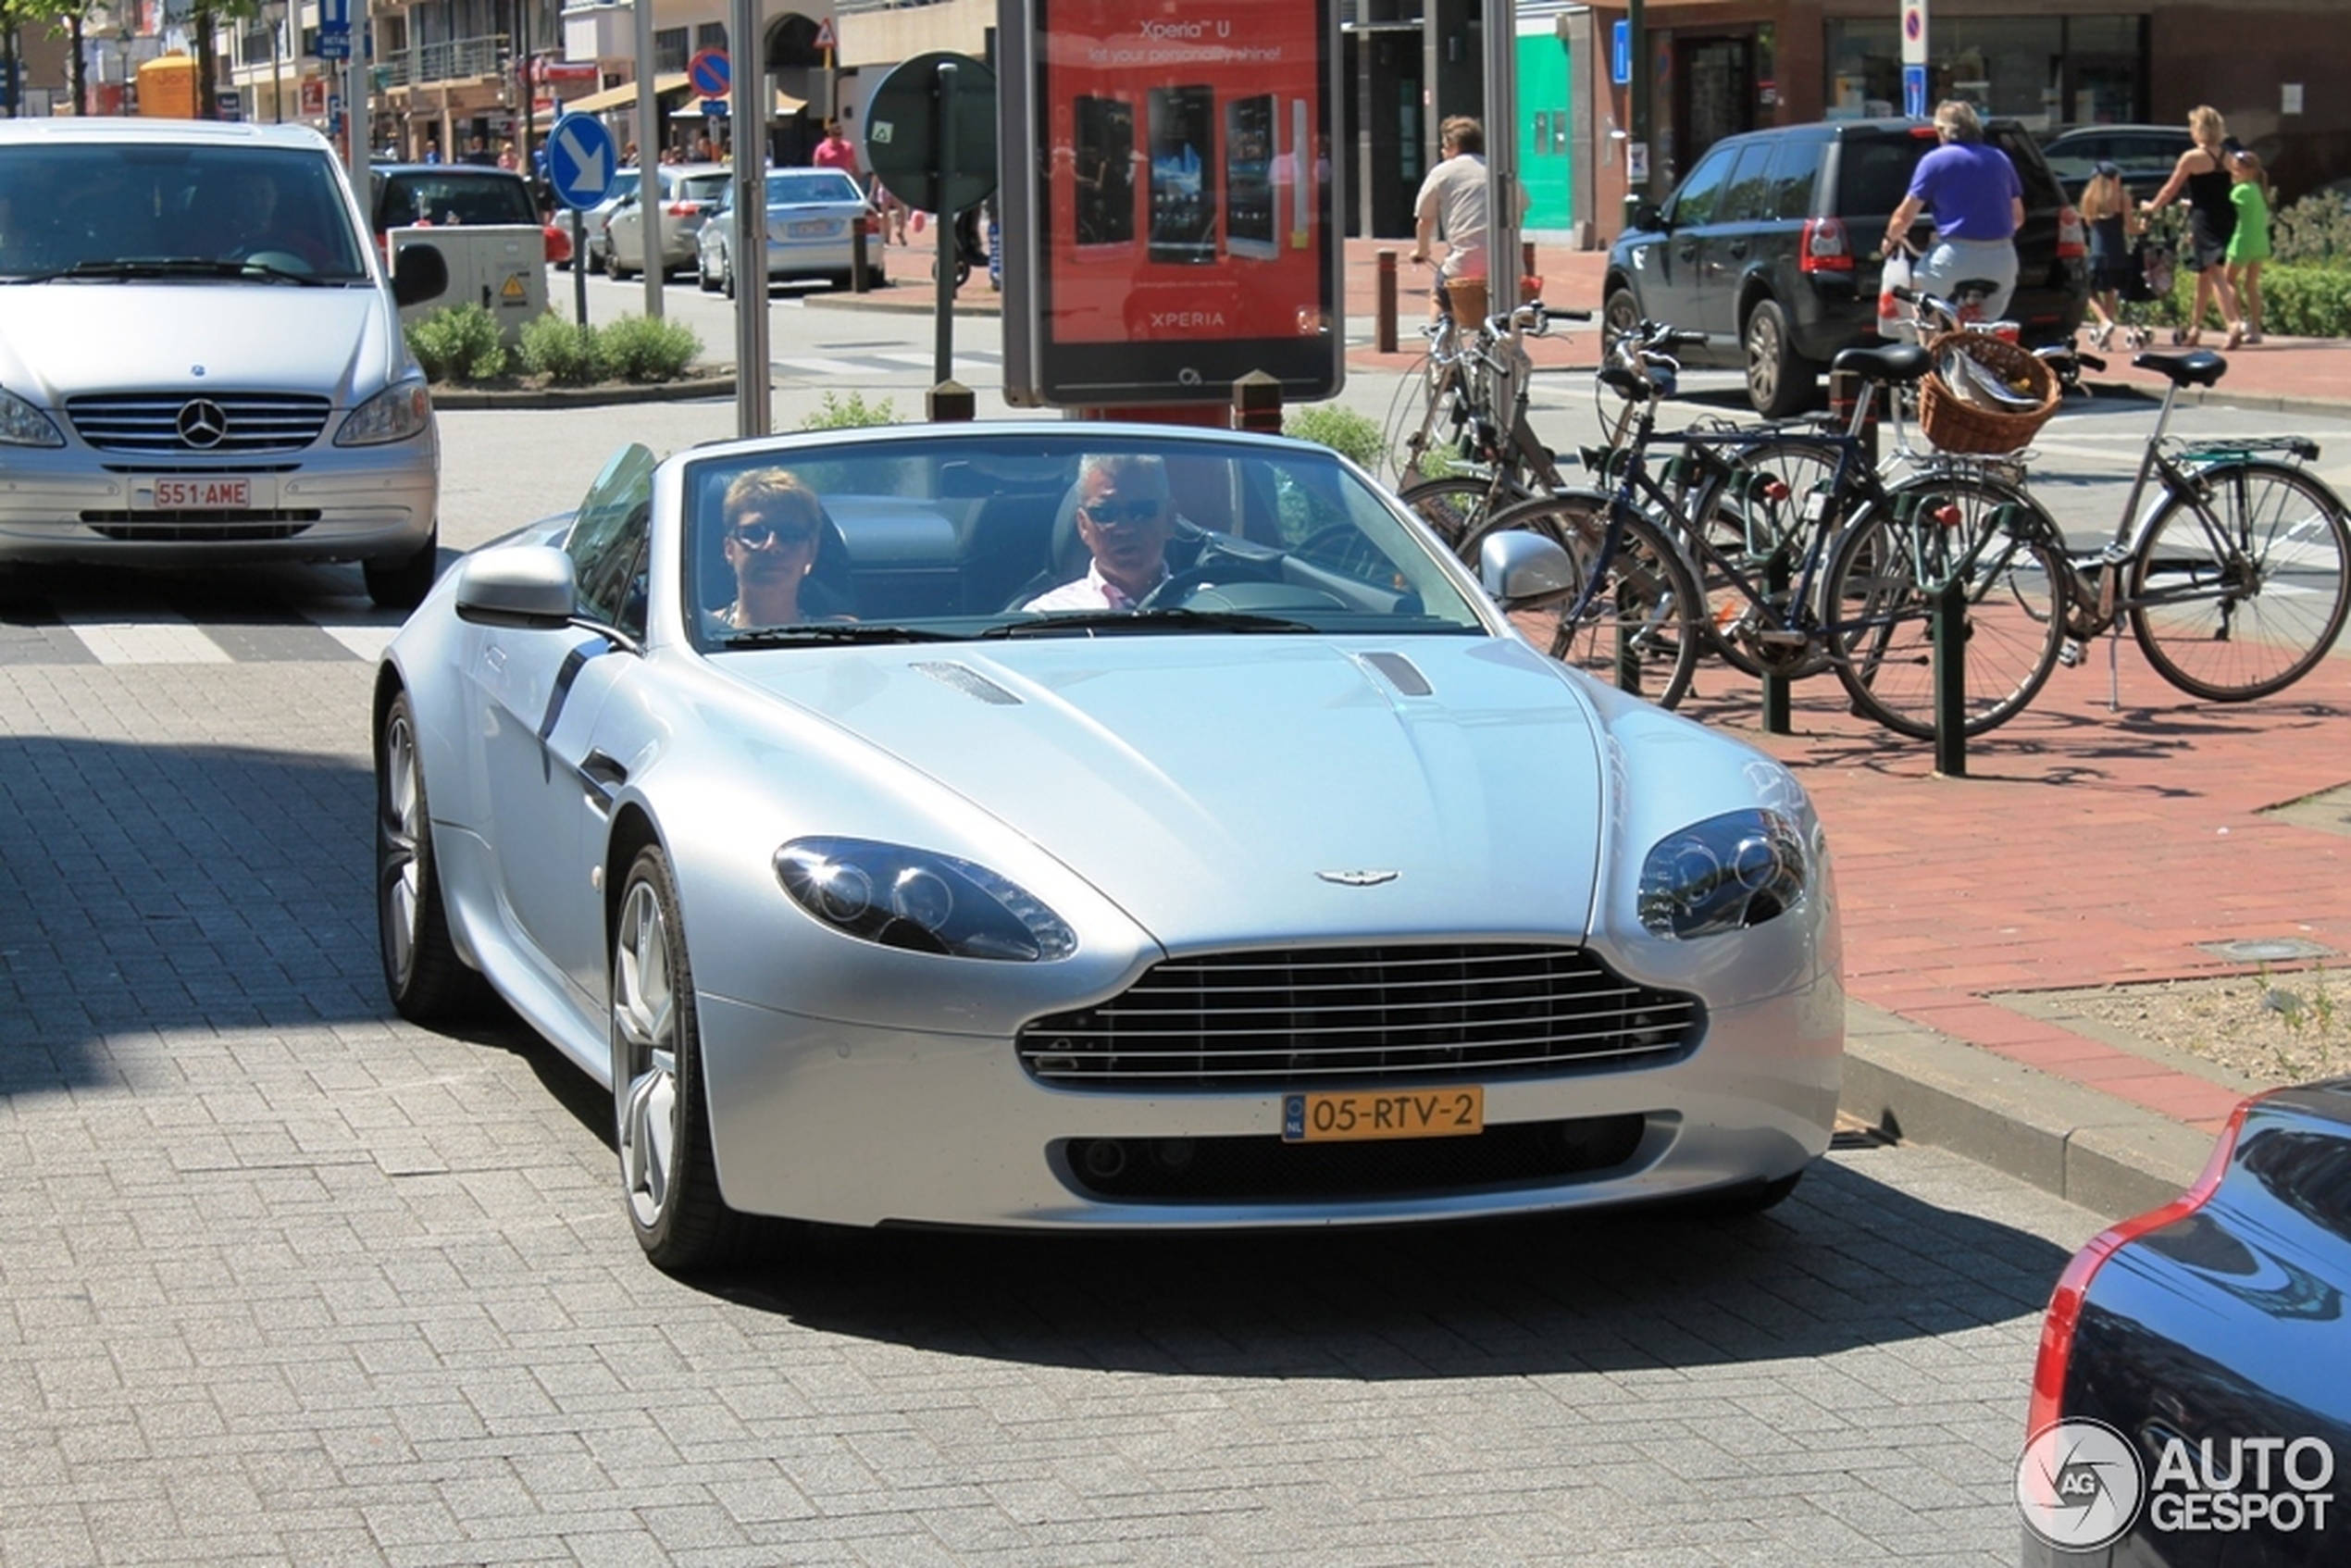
[
  {"x": 834, "y": 631},
  {"x": 175, "y": 267},
  {"x": 1060, "y": 624}
]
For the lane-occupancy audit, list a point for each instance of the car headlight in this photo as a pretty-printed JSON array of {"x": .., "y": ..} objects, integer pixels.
[
  {"x": 1725, "y": 874},
  {"x": 399, "y": 411},
  {"x": 23, "y": 425},
  {"x": 920, "y": 901}
]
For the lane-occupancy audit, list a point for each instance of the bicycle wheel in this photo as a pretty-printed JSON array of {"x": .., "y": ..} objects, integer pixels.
[
  {"x": 1887, "y": 572},
  {"x": 2244, "y": 597},
  {"x": 1637, "y": 627},
  {"x": 1455, "y": 506},
  {"x": 1771, "y": 504},
  {"x": 1419, "y": 419}
]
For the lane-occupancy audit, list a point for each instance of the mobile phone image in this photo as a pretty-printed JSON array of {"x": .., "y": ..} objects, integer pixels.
[
  {"x": 1248, "y": 178},
  {"x": 1183, "y": 180},
  {"x": 1104, "y": 135}
]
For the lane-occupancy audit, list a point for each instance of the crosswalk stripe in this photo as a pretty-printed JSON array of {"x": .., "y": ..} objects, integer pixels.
[
  {"x": 147, "y": 642},
  {"x": 368, "y": 642}
]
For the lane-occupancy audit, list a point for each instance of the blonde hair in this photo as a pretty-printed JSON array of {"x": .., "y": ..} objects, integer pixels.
[
  {"x": 1956, "y": 118},
  {"x": 2103, "y": 197},
  {"x": 2206, "y": 127}
]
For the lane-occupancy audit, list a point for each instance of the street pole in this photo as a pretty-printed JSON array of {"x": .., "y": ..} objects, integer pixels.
[
  {"x": 277, "y": 78},
  {"x": 755, "y": 411},
  {"x": 648, "y": 159},
  {"x": 1636, "y": 155},
  {"x": 1503, "y": 267},
  {"x": 950, "y": 249}
]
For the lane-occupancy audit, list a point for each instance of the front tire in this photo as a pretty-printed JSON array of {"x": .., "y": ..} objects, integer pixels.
[
  {"x": 428, "y": 983},
  {"x": 2253, "y": 611},
  {"x": 669, "y": 1172},
  {"x": 1779, "y": 382},
  {"x": 402, "y": 584}
]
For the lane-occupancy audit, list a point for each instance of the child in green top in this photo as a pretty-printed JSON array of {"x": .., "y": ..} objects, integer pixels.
[{"x": 2249, "y": 245}]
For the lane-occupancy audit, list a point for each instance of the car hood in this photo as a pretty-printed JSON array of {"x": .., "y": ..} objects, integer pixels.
[
  {"x": 1225, "y": 789},
  {"x": 62, "y": 339}
]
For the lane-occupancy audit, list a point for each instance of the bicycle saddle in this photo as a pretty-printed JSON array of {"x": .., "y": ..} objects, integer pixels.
[
  {"x": 2200, "y": 369},
  {"x": 1899, "y": 362}
]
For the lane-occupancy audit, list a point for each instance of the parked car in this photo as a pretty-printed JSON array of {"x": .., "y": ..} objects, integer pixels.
[
  {"x": 202, "y": 358},
  {"x": 592, "y": 219},
  {"x": 688, "y": 192},
  {"x": 1770, "y": 246},
  {"x": 812, "y": 217},
  {"x": 2192, "y": 1399},
  {"x": 435, "y": 194},
  {"x": 1305, "y": 893},
  {"x": 2144, "y": 154}
]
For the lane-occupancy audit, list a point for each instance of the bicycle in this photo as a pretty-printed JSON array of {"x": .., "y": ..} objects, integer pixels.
[
  {"x": 2233, "y": 578},
  {"x": 1826, "y": 585},
  {"x": 1493, "y": 459}
]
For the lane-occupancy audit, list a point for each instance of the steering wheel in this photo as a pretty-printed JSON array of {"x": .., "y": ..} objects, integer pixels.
[
  {"x": 1179, "y": 586},
  {"x": 1341, "y": 547}
]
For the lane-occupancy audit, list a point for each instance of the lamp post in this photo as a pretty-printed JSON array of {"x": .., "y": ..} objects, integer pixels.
[{"x": 277, "y": 15}]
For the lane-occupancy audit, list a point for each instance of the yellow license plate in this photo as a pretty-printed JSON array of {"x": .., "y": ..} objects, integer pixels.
[{"x": 1365, "y": 1114}]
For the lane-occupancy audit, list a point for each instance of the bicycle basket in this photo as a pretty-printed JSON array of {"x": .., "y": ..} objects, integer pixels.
[{"x": 1956, "y": 424}]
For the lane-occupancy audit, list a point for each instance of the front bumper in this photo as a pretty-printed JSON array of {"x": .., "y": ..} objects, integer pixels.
[
  {"x": 854, "y": 1125},
  {"x": 328, "y": 504}
]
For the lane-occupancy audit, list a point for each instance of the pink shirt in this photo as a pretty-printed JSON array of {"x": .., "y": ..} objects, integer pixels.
[
  {"x": 835, "y": 153},
  {"x": 1092, "y": 592}
]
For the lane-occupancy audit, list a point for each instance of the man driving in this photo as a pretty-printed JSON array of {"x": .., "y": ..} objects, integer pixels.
[
  {"x": 1125, "y": 518},
  {"x": 773, "y": 526}
]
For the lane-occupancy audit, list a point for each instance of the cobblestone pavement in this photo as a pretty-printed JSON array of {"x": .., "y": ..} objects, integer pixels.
[{"x": 283, "y": 1279}]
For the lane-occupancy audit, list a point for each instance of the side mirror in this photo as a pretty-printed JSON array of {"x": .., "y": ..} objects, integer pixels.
[
  {"x": 1646, "y": 214},
  {"x": 1521, "y": 569},
  {"x": 525, "y": 586},
  {"x": 419, "y": 273}
]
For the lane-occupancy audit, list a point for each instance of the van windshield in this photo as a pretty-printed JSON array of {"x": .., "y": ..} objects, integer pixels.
[{"x": 103, "y": 211}]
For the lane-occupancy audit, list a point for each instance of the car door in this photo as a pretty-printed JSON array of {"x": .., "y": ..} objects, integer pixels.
[
  {"x": 540, "y": 695},
  {"x": 1729, "y": 247},
  {"x": 1670, "y": 292}
]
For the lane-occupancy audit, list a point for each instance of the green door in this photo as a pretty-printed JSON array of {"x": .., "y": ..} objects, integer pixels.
[{"x": 1544, "y": 121}]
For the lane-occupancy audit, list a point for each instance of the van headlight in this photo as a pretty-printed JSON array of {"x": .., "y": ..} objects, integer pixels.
[
  {"x": 23, "y": 425},
  {"x": 399, "y": 412},
  {"x": 1725, "y": 874}
]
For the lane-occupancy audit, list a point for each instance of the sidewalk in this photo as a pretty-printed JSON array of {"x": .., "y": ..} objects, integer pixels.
[{"x": 2084, "y": 847}]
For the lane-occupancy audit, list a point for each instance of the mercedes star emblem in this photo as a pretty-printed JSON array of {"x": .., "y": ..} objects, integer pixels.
[{"x": 203, "y": 423}]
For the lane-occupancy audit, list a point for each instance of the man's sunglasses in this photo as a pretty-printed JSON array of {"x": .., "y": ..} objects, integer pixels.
[
  {"x": 759, "y": 534},
  {"x": 1113, "y": 513}
]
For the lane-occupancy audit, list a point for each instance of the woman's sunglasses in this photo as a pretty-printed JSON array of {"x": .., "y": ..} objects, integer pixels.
[{"x": 758, "y": 534}]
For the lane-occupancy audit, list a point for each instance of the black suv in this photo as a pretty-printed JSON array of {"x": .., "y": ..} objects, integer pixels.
[{"x": 1770, "y": 246}]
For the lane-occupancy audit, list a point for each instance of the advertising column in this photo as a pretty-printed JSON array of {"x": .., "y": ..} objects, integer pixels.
[{"x": 1171, "y": 172}]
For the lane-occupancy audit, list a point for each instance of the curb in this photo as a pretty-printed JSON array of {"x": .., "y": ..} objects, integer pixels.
[
  {"x": 2088, "y": 1148},
  {"x": 902, "y": 304},
  {"x": 687, "y": 390}
]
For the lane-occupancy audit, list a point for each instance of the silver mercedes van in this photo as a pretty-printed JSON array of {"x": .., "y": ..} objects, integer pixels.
[{"x": 200, "y": 360}]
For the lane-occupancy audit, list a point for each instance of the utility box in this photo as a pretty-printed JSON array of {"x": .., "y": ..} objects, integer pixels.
[
  {"x": 168, "y": 87},
  {"x": 500, "y": 266}
]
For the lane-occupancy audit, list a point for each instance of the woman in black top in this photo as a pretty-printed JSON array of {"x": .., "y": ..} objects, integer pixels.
[{"x": 2203, "y": 172}]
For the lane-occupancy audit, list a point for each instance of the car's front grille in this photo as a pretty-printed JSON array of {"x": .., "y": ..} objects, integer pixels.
[
  {"x": 1266, "y": 1170},
  {"x": 1304, "y": 1016},
  {"x": 217, "y": 424},
  {"x": 226, "y": 527}
]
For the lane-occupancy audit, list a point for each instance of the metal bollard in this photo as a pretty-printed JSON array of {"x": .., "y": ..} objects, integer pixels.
[
  {"x": 1257, "y": 404},
  {"x": 1779, "y": 717},
  {"x": 1386, "y": 311},
  {"x": 950, "y": 403},
  {"x": 857, "y": 256},
  {"x": 1949, "y": 639}
]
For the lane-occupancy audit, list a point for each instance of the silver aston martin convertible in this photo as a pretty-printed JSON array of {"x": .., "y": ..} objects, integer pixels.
[{"x": 1093, "y": 827}]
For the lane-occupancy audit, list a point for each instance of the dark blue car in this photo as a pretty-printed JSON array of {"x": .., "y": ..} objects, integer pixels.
[{"x": 2191, "y": 1402}]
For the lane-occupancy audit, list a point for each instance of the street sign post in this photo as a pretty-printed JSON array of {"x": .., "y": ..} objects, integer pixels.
[
  {"x": 902, "y": 135},
  {"x": 710, "y": 73},
  {"x": 581, "y": 162}
]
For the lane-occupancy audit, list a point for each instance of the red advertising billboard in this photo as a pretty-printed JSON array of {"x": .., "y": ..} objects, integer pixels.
[{"x": 1179, "y": 199}]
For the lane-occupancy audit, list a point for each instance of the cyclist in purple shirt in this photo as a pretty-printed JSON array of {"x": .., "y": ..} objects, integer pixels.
[{"x": 1978, "y": 203}]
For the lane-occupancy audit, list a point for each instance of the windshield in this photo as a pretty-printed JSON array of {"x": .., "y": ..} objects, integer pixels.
[
  {"x": 141, "y": 209},
  {"x": 703, "y": 187},
  {"x": 816, "y": 185},
  {"x": 1012, "y": 536}
]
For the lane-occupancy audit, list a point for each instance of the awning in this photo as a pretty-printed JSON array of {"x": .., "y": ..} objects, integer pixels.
[{"x": 625, "y": 95}]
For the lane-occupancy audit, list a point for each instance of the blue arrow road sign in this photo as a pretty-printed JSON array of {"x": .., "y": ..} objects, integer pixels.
[{"x": 580, "y": 160}]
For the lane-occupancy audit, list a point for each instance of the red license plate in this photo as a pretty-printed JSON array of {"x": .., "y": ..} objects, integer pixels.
[{"x": 209, "y": 493}]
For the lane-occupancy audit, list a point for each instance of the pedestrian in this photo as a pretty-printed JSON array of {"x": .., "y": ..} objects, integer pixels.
[
  {"x": 1452, "y": 203},
  {"x": 1977, "y": 201},
  {"x": 835, "y": 152},
  {"x": 2106, "y": 207},
  {"x": 507, "y": 155},
  {"x": 2249, "y": 243},
  {"x": 2202, "y": 174}
]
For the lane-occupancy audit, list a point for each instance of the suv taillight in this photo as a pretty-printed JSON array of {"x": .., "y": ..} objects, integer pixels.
[
  {"x": 2074, "y": 1286},
  {"x": 2073, "y": 241},
  {"x": 1824, "y": 248}
]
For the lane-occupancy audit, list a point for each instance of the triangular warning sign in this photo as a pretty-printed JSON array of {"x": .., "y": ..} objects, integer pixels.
[{"x": 825, "y": 33}]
